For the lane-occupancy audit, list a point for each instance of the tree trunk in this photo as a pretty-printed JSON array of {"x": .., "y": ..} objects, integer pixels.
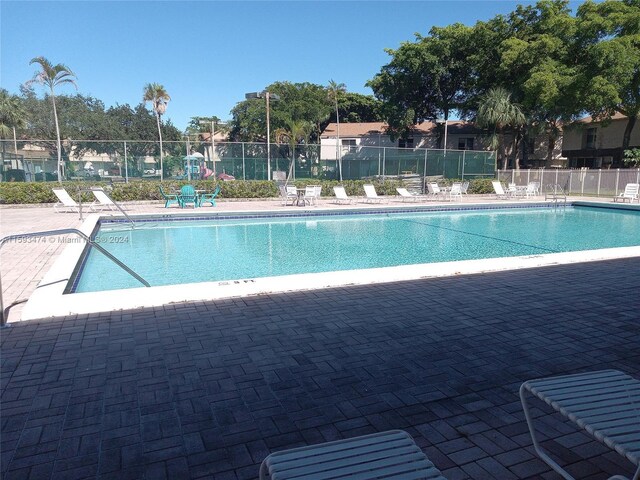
[
  {"x": 502, "y": 148},
  {"x": 160, "y": 136},
  {"x": 626, "y": 138},
  {"x": 551, "y": 146},
  {"x": 58, "y": 141}
]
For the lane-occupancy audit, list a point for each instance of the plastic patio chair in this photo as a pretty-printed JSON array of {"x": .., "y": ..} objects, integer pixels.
[
  {"x": 188, "y": 195},
  {"x": 170, "y": 198},
  {"x": 630, "y": 193},
  {"x": 210, "y": 197}
]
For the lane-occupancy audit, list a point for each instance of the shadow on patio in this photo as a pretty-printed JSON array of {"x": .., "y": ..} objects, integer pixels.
[{"x": 207, "y": 390}]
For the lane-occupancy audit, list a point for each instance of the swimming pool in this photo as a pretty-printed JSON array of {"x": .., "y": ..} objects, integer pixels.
[{"x": 224, "y": 249}]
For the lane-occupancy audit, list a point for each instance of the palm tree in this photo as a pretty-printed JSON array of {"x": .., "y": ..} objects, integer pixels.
[
  {"x": 333, "y": 91},
  {"x": 12, "y": 116},
  {"x": 296, "y": 133},
  {"x": 159, "y": 98},
  {"x": 53, "y": 76},
  {"x": 497, "y": 112}
]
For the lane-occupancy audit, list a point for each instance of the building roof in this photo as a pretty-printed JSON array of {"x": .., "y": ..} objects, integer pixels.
[
  {"x": 380, "y": 128},
  {"x": 589, "y": 119}
]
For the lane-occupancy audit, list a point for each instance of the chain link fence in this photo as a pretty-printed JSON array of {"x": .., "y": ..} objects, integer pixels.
[
  {"x": 125, "y": 160},
  {"x": 583, "y": 182}
]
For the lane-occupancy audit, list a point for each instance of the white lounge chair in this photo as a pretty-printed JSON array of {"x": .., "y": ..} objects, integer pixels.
[
  {"x": 407, "y": 195},
  {"x": 371, "y": 195},
  {"x": 602, "y": 403},
  {"x": 341, "y": 195},
  {"x": 434, "y": 190},
  {"x": 630, "y": 193},
  {"x": 456, "y": 191},
  {"x": 102, "y": 199},
  {"x": 66, "y": 203},
  {"x": 499, "y": 190},
  {"x": 391, "y": 454}
]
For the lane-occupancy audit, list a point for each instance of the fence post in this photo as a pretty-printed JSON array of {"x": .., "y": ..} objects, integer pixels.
[
  {"x": 126, "y": 164},
  {"x": 384, "y": 161},
  {"x": 528, "y": 175},
  {"x": 424, "y": 179},
  {"x": 244, "y": 176},
  {"x": 463, "y": 160},
  {"x": 617, "y": 180},
  {"x": 541, "y": 179},
  {"x": 570, "y": 180},
  {"x": 599, "y": 178},
  {"x": 513, "y": 175},
  {"x": 638, "y": 176}
]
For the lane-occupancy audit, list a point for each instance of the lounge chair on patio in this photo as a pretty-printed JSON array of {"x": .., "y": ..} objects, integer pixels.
[
  {"x": 210, "y": 197},
  {"x": 188, "y": 195},
  {"x": 605, "y": 403},
  {"x": 66, "y": 203},
  {"x": 434, "y": 190},
  {"x": 170, "y": 198},
  {"x": 533, "y": 189},
  {"x": 630, "y": 193},
  {"x": 371, "y": 195},
  {"x": 456, "y": 191},
  {"x": 407, "y": 195},
  {"x": 499, "y": 190},
  {"x": 102, "y": 199},
  {"x": 388, "y": 455},
  {"x": 341, "y": 195}
]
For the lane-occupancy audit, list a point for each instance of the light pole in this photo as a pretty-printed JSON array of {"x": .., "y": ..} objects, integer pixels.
[
  {"x": 188, "y": 159},
  {"x": 441, "y": 121},
  {"x": 267, "y": 95},
  {"x": 213, "y": 141}
]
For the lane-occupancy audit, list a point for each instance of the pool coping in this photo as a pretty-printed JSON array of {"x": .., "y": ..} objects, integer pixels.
[{"x": 49, "y": 298}]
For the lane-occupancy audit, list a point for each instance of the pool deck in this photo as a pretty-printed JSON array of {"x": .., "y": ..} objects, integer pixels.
[{"x": 208, "y": 389}]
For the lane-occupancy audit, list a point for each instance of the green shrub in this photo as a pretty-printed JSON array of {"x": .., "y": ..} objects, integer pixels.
[{"x": 138, "y": 190}]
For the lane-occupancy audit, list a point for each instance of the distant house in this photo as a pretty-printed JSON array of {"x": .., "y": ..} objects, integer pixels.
[
  {"x": 460, "y": 136},
  {"x": 593, "y": 144}
]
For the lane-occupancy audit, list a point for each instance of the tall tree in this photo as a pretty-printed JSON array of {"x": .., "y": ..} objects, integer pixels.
[
  {"x": 609, "y": 44},
  {"x": 426, "y": 79},
  {"x": 296, "y": 133},
  {"x": 298, "y": 102},
  {"x": 497, "y": 113},
  {"x": 12, "y": 116},
  {"x": 159, "y": 98},
  {"x": 53, "y": 76},
  {"x": 334, "y": 92}
]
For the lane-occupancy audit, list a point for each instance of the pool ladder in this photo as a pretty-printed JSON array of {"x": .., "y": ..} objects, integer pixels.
[
  {"x": 50, "y": 233},
  {"x": 82, "y": 190}
]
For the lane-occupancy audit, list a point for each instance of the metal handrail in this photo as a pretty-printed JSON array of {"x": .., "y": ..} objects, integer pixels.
[
  {"x": 81, "y": 190},
  {"x": 64, "y": 231}
]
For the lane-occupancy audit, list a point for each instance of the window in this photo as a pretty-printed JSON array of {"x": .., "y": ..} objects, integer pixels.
[
  {"x": 590, "y": 138},
  {"x": 348, "y": 142},
  {"x": 405, "y": 143},
  {"x": 465, "y": 143}
]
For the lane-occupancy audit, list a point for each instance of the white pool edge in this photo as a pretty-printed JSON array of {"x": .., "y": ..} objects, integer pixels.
[{"x": 48, "y": 299}]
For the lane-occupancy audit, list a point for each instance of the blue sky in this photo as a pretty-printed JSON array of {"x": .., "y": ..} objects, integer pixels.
[{"x": 208, "y": 54}]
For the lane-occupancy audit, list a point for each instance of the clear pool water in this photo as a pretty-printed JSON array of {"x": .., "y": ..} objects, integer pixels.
[{"x": 166, "y": 253}]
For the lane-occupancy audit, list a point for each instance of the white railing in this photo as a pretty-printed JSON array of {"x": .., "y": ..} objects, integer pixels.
[{"x": 584, "y": 182}]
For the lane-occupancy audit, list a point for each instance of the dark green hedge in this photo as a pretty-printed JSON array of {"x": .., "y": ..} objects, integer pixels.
[{"x": 40, "y": 192}]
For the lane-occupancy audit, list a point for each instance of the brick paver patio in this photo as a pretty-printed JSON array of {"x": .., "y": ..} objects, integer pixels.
[{"x": 207, "y": 390}]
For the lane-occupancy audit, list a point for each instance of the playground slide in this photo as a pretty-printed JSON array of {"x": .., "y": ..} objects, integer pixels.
[{"x": 206, "y": 172}]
